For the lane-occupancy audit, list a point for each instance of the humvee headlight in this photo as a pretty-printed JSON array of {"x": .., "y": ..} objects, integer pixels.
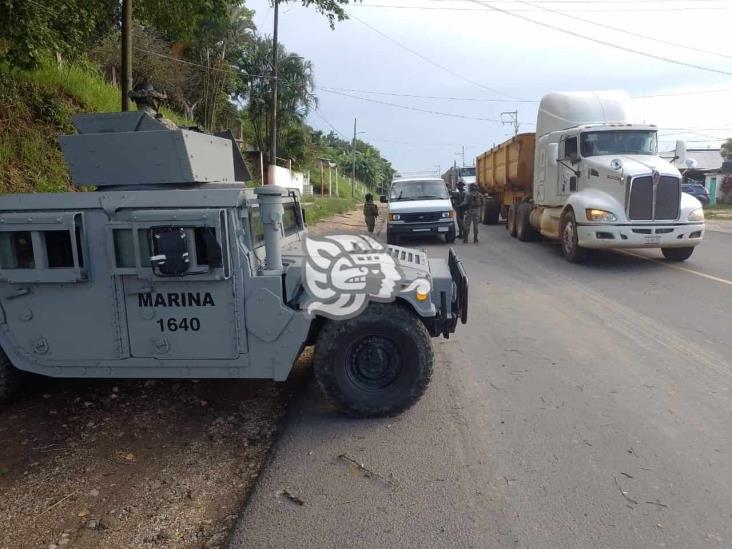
[
  {"x": 448, "y": 214},
  {"x": 394, "y": 217},
  {"x": 599, "y": 215},
  {"x": 422, "y": 295},
  {"x": 696, "y": 215}
]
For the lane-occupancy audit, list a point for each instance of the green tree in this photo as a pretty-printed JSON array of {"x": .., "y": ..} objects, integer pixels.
[{"x": 332, "y": 9}]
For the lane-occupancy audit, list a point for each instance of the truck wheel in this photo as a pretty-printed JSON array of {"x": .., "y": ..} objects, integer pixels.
[
  {"x": 511, "y": 220},
  {"x": 677, "y": 254},
  {"x": 524, "y": 231},
  {"x": 571, "y": 250},
  {"x": 491, "y": 212},
  {"x": 376, "y": 364},
  {"x": 10, "y": 379},
  {"x": 450, "y": 236}
]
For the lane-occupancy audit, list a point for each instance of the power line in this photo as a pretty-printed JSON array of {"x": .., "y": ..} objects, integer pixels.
[
  {"x": 324, "y": 119},
  {"x": 395, "y": 94},
  {"x": 574, "y": 10},
  {"x": 618, "y": 29},
  {"x": 599, "y": 41},
  {"x": 409, "y": 108},
  {"x": 427, "y": 59}
]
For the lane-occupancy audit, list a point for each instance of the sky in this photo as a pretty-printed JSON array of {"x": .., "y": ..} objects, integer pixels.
[{"x": 476, "y": 59}]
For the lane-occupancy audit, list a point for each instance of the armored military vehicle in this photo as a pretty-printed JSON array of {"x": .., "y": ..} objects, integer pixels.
[{"x": 171, "y": 268}]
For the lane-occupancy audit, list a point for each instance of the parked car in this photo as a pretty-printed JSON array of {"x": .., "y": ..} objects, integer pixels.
[
  {"x": 696, "y": 190},
  {"x": 418, "y": 207}
]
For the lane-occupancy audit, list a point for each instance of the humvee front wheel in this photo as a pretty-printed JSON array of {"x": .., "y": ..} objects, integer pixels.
[
  {"x": 376, "y": 364},
  {"x": 10, "y": 379}
]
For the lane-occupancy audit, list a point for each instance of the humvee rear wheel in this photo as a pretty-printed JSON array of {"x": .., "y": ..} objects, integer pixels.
[
  {"x": 10, "y": 379},
  {"x": 376, "y": 364}
]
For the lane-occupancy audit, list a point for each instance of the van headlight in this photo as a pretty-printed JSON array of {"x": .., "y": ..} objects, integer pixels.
[
  {"x": 696, "y": 215},
  {"x": 599, "y": 215},
  {"x": 394, "y": 217},
  {"x": 449, "y": 213}
]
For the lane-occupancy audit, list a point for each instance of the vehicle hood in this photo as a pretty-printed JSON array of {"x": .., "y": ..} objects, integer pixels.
[
  {"x": 409, "y": 206},
  {"x": 633, "y": 164}
]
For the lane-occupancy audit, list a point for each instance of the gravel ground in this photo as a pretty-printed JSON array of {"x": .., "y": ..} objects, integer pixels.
[{"x": 137, "y": 464}]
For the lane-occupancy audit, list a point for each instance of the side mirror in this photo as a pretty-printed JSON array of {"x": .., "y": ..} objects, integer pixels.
[
  {"x": 383, "y": 199},
  {"x": 552, "y": 152},
  {"x": 680, "y": 151},
  {"x": 169, "y": 247}
]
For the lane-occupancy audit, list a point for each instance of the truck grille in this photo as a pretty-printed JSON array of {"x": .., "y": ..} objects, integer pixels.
[
  {"x": 423, "y": 217},
  {"x": 645, "y": 205}
]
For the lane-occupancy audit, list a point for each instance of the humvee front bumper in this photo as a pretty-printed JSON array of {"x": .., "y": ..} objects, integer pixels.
[{"x": 449, "y": 294}]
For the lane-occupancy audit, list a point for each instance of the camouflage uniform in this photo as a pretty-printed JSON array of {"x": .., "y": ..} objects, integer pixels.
[
  {"x": 473, "y": 206},
  {"x": 457, "y": 200},
  {"x": 370, "y": 213}
]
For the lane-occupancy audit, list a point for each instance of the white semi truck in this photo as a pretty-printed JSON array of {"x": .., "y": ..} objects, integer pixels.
[{"x": 591, "y": 179}]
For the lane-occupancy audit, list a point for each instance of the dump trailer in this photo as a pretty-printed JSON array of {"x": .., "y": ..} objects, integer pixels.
[
  {"x": 505, "y": 173},
  {"x": 597, "y": 181}
]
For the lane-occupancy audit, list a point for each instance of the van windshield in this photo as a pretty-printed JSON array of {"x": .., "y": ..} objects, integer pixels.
[
  {"x": 418, "y": 190},
  {"x": 467, "y": 172},
  {"x": 618, "y": 142}
]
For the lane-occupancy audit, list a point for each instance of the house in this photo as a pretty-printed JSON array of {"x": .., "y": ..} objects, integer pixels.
[{"x": 706, "y": 168}]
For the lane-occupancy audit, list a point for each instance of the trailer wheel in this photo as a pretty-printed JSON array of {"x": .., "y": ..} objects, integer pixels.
[
  {"x": 10, "y": 379},
  {"x": 511, "y": 220},
  {"x": 524, "y": 231},
  {"x": 572, "y": 251},
  {"x": 677, "y": 254},
  {"x": 376, "y": 364},
  {"x": 491, "y": 212}
]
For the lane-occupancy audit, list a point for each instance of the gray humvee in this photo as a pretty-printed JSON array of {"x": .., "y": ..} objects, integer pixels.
[{"x": 173, "y": 269}]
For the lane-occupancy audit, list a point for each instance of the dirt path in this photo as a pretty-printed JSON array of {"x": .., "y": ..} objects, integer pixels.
[{"x": 168, "y": 463}]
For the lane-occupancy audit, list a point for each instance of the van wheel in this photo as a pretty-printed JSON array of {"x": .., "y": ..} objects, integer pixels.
[
  {"x": 391, "y": 238},
  {"x": 571, "y": 250},
  {"x": 677, "y": 254},
  {"x": 376, "y": 364},
  {"x": 10, "y": 379},
  {"x": 524, "y": 231},
  {"x": 511, "y": 220},
  {"x": 450, "y": 236}
]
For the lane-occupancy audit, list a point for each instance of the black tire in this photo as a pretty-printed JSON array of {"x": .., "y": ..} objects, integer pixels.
[
  {"x": 450, "y": 236},
  {"x": 10, "y": 379},
  {"x": 376, "y": 364},
  {"x": 391, "y": 238},
  {"x": 491, "y": 212},
  {"x": 572, "y": 251},
  {"x": 677, "y": 254},
  {"x": 524, "y": 231},
  {"x": 511, "y": 220}
]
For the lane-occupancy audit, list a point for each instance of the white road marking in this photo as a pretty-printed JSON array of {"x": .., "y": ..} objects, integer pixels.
[{"x": 679, "y": 267}]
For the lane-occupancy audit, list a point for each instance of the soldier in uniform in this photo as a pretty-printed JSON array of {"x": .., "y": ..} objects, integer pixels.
[
  {"x": 370, "y": 212},
  {"x": 457, "y": 200},
  {"x": 473, "y": 206}
]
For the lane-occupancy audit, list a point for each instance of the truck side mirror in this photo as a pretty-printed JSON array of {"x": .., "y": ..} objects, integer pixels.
[
  {"x": 553, "y": 153},
  {"x": 169, "y": 247},
  {"x": 383, "y": 199}
]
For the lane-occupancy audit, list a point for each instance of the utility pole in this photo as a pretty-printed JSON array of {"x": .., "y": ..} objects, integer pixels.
[
  {"x": 353, "y": 181},
  {"x": 512, "y": 120},
  {"x": 126, "y": 76},
  {"x": 273, "y": 124}
]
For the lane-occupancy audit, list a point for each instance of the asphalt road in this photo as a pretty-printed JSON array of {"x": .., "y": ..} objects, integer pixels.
[{"x": 582, "y": 406}]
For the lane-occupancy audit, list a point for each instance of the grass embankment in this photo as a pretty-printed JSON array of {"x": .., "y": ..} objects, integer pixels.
[
  {"x": 320, "y": 208},
  {"x": 719, "y": 211},
  {"x": 36, "y": 106}
]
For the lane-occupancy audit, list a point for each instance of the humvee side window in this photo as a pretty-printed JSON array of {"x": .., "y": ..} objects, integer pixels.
[
  {"x": 208, "y": 250},
  {"x": 170, "y": 251},
  {"x": 16, "y": 250},
  {"x": 256, "y": 226},
  {"x": 58, "y": 249},
  {"x": 290, "y": 219},
  {"x": 124, "y": 248}
]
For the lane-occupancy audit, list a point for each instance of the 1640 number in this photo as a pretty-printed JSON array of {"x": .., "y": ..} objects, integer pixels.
[{"x": 183, "y": 324}]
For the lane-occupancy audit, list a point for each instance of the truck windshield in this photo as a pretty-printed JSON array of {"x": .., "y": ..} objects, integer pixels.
[
  {"x": 618, "y": 142},
  {"x": 418, "y": 190},
  {"x": 467, "y": 172}
]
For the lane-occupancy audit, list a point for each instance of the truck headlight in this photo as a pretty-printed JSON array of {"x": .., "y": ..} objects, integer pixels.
[
  {"x": 696, "y": 215},
  {"x": 449, "y": 213},
  {"x": 394, "y": 217},
  {"x": 599, "y": 215}
]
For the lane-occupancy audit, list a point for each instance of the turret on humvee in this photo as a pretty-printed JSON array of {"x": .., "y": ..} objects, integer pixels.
[{"x": 173, "y": 269}]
